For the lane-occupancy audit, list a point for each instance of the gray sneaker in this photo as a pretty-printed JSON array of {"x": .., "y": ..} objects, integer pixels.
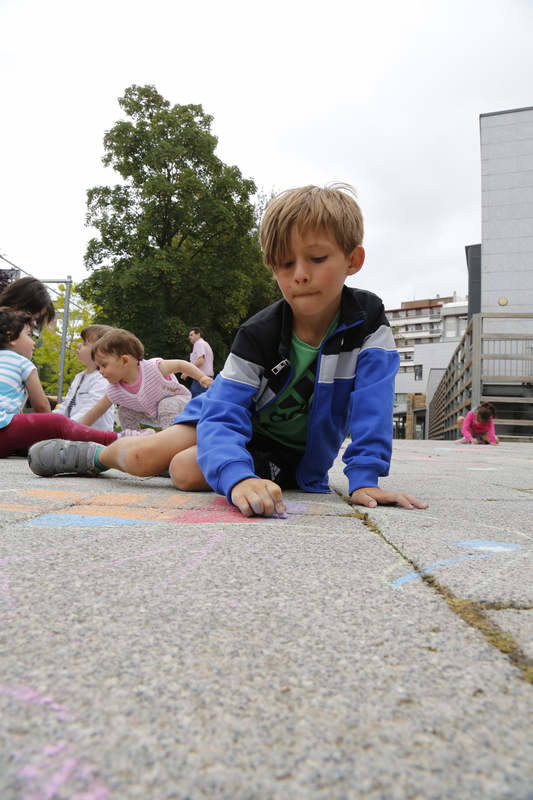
[{"x": 58, "y": 456}]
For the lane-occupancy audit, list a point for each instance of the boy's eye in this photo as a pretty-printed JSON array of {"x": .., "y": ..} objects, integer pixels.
[{"x": 318, "y": 259}]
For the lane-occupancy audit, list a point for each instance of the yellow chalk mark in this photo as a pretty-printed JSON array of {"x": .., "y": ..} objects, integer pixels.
[
  {"x": 14, "y": 507},
  {"x": 115, "y": 499},
  {"x": 174, "y": 500},
  {"x": 119, "y": 499}
]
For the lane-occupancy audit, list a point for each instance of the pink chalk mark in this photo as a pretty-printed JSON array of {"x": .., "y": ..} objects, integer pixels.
[
  {"x": 214, "y": 537},
  {"x": 58, "y": 780},
  {"x": 94, "y": 792},
  {"x": 218, "y": 510},
  {"x": 54, "y": 749},
  {"x": 46, "y": 786},
  {"x": 85, "y": 772},
  {"x": 30, "y": 772},
  {"x": 35, "y": 770},
  {"x": 25, "y": 694}
]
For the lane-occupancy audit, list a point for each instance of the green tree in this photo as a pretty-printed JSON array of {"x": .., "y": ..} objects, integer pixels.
[
  {"x": 177, "y": 239},
  {"x": 47, "y": 353}
]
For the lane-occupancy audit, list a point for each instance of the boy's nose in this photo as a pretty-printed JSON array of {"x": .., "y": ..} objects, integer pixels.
[{"x": 300, "y": 271}]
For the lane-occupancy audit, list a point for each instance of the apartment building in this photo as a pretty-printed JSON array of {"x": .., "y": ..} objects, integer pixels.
[{"x": 426, "y": 334}]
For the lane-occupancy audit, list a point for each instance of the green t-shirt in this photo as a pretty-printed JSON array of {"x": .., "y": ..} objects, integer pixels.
[{"x": 285, "y": 420}]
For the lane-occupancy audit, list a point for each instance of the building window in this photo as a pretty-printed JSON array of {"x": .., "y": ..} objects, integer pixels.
[{"x": 419, "y": 368}]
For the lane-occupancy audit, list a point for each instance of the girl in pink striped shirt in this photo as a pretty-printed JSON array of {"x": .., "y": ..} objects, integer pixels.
[
  {"x": 146, "y": 391},
  {"x": 478, "y": 426}
]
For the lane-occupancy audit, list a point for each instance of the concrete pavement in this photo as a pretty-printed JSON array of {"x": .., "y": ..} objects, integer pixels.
[{"x": 155, "y": 644}]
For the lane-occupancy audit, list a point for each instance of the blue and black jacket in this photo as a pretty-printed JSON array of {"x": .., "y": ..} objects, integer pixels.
[{"x": 353, "y": 394}]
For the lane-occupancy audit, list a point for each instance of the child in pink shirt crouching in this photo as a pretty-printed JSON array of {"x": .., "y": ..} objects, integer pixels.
[
  {"x": 146, "y": 391},
  {"x": 478, "y": 426}
]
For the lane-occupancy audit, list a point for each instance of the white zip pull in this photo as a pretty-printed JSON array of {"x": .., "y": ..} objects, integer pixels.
[{"x": 282, "y": 364}]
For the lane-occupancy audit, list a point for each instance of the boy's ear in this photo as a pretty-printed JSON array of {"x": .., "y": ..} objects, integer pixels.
[{"x": 357, "y": 259}]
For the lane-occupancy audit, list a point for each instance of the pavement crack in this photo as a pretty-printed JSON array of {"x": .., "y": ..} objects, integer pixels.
[
  {"x": 471, "y": 612},
  {"x": 488, "y": 606}
]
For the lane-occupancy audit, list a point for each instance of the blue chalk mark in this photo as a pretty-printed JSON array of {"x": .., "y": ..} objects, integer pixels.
[
  {"x": 411, "y": 576},
  {"x": 488, "y": 547},
  {"x": 85, "y": 521}
]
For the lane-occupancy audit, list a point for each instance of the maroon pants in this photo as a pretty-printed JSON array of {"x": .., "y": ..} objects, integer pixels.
[{"x": 26, "y": 429}]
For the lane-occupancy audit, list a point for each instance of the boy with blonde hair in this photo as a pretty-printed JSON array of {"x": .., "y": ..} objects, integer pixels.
[{"x": 301, "y": 375}]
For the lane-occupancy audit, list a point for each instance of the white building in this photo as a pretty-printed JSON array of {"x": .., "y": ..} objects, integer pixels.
[{"x": 426, "y": 334}]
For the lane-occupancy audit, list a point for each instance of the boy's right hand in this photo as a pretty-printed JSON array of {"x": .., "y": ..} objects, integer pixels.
[{"x": 258, "y": 497}]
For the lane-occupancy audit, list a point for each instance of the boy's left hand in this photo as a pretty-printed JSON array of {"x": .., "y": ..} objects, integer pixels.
[
  {"x": 206, "y": 382},
  {"x": 372, "y": 496}
]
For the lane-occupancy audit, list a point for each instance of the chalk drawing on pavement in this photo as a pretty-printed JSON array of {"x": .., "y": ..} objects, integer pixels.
[
  {"x": 488, "y": 546},
  {"x": 28, "y": 695},
  {"x": 213, "y": 538},
  {"x": 485, "y": 548},
  {"x": 57, "y": 768},
  {"x": 85, "y": 521}
]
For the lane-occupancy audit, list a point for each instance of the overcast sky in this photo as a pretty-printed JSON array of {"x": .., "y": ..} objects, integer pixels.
[{"x": 382, "y": 94}]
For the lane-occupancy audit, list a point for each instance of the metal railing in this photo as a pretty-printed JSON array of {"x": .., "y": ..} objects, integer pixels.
[{"x": 493, "y": 362}]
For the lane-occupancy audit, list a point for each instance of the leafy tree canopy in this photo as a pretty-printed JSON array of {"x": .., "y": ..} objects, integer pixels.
[{"x": 177, "y": 237}]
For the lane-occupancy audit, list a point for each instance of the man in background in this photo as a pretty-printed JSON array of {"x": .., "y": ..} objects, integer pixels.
[{"x": 202, "y": 357}]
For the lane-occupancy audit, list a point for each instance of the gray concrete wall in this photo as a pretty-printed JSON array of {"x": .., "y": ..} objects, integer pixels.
[{"x": 507, "y": 211}]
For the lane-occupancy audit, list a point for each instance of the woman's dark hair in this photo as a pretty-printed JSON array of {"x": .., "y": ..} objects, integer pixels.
[
  {"x": 485, "y": 411},
  {"x": 29, "y": 294},
  {"x": 12, "y": 324}
]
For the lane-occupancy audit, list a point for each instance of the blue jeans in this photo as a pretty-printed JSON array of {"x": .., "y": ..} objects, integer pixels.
[{"x": 195, "y": 388}]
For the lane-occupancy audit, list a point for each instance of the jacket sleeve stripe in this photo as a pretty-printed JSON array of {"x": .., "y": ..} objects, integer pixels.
[
  {"x": 381, "y": 338},
  {"x": 241, "y": 371},
  {"x": 338, "y": 365}
]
